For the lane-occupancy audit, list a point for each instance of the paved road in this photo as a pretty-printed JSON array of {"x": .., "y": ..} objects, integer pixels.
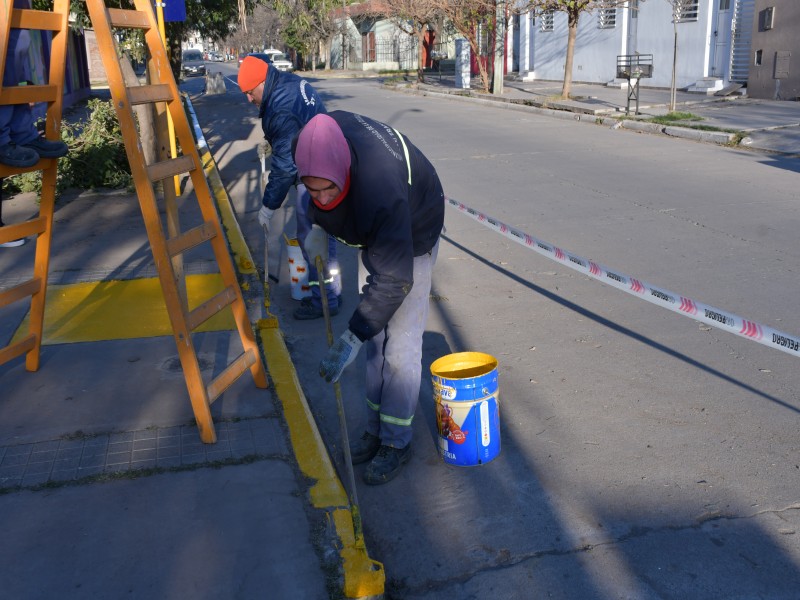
[{"x": 645, "y": 454}]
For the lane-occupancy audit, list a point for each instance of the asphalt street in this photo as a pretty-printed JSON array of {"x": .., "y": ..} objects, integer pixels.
[{"x": 644, "y": 454}]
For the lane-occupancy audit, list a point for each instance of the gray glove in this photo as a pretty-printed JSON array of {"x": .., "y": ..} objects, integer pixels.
[
  {"x": 264, "y": 217},
  {"x": 316, "y": 244},
  {"x": 341, "y": 354}
]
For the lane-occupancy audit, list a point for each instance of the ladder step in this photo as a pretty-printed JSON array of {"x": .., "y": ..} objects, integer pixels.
[
  {"x": 22, "y": 18},
  {"x": 170, "y": 168},
  {"x": 14, "y": 350},
  {"x": 42, "y": 165},
  {"x": 21, "y": 230},
  {"x": 210, "y": 307},
  {"x": 231, "y": 373},
  {"x": 18, "y": 292},
  {"x": 190, "y": 238},
  {"x": 143, "y": 94},
  {"x": 131, "y": 19},
  {"x": 23, "y": 94}
]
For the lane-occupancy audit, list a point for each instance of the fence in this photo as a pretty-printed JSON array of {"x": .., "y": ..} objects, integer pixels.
[{"x": 388, "y": 53}]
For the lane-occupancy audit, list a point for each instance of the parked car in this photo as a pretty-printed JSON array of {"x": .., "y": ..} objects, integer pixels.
[
  {"x": 241, "y": 57},
  {"x": 215, "y": 57},
  {"x": 280, "y": 60},
  {"x": 192, "y": 63},
  {"x": 265, "y": 57}
]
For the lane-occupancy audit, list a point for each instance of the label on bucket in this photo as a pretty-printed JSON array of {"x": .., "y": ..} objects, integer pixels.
[
  {"x": 467, "y": 409},
  {"x": 469, "y": 432}
]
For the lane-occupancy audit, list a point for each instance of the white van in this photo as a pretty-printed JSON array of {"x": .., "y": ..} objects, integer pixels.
[{"x": 279, "y": 60}]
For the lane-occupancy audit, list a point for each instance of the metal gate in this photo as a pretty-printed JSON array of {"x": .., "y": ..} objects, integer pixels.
[{"x": 741, "y": 34}]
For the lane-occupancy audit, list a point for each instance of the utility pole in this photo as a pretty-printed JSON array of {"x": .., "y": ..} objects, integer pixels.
[
  {"x": 677, "y": 6},
  {"x": 344, "y": 32},
  {"x": 499, "y": 47}
]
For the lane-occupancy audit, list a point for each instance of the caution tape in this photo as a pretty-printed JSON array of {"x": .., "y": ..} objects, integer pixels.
[{"x": 682, "y": 305}]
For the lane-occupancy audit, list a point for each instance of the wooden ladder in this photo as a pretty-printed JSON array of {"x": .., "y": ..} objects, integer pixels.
[
  {"x": 35, "y": 288},
  {"x": 163, "y": 93}
]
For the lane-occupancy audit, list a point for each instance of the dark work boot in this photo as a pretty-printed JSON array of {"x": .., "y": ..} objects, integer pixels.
[
  {"x": 365, "y": 448},
  {"x": 47, "y": 148},
  {"x": 307, "y": 310},
  {"x": 17, "y": 156},
  {"x": 386, "y": 464}
]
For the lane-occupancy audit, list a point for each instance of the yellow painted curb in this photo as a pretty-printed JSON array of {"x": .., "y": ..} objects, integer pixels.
[
  {"x": 241, "y": 253},
  {"x": 362, "y": 575}
]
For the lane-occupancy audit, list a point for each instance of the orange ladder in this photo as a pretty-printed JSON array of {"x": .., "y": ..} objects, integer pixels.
[
  {"x": 41, "y": 226},
  {"x": 163, "y": 92}
]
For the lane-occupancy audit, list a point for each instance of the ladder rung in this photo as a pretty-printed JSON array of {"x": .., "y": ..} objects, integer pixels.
[
  {"x": 14, "y": 350},
  {"x": 232, "y": 372},
  {"x": 23, "y": 94},
  {"x": 42, "y": 165},
  {"x": 22, "y": 18},
  {"x": 170, "y": 168},
  {"x": 190, "y": 238},
  {"x": 132, "y": 19},
  {"x": 210, "y": 307},
  {"x": 21, "y": 230},
  {"x": 142, "y": 94},
  {"x": 18, "y": 292}
]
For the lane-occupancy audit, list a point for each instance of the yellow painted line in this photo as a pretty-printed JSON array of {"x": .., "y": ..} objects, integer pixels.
[{"x": 120, "y": 309}]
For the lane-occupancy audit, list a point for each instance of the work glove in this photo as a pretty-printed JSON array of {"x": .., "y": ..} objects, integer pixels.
[
  {"x": 264, "y": 150},
  {"x": 264, "y": 217},
  {"x": 341, "y": 354},
  {"x": 316, "y": 244}
]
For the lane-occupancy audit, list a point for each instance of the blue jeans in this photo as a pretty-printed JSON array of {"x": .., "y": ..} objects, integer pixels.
[
  {"x": 16, "y": 120},
  {"x": 332, "y": 275},
  {"x": 394, "y": 359}
]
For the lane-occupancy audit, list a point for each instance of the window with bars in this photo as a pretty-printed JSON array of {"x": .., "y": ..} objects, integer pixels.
[
  {"x": 685, "y": 11},
  {"x": 607, "y": 17},
  {"x": 546, "y": 20}
]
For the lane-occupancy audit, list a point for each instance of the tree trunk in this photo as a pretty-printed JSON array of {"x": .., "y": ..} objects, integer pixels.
[
  {"x": 473, "y": 44},
  {"x": 420, "y": 35},
  {"x": 572, "y": 33},
  {"x": 328, "y": 51},
  {"x": 144, "y": 115}
]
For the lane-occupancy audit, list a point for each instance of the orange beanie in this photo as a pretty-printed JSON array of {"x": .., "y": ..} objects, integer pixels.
[{"x": 252, "y": 72}]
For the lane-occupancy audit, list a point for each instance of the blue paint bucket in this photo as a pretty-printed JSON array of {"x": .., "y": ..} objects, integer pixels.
[{"x": 467, "y": 408}]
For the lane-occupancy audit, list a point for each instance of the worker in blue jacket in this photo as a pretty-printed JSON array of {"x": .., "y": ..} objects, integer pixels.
[
  {"x": 285, "y": 104},
  {"x": 372, "y": 188}
]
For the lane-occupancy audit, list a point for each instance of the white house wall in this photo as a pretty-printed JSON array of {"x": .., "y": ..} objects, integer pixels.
[
  {"x": 596, "y": 49},
  {"x": 656, "y": 36}
]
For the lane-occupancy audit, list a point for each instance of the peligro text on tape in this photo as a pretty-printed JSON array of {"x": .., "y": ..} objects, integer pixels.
[{"x": 670, "y": 300}]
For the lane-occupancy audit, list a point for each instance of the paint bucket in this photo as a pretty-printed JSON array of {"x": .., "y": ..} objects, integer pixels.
[
  {"x": 298, "y": 270},
  {"x": 467, "y": 408}
]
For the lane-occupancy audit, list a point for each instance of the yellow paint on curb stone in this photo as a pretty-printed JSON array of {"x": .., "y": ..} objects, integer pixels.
[
  {"x": 120, "y": 309},
  {"x": 363, "y": 576},
  {"x": 241, "y": 253}
]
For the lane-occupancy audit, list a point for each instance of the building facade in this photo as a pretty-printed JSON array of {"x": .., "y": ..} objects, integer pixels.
[
  {"x": 712, "y": 49},
  {"x": 774, "y": 72}
]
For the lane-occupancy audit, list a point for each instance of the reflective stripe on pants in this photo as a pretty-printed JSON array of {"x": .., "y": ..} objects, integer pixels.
[{"x": 394, "y": 359}]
